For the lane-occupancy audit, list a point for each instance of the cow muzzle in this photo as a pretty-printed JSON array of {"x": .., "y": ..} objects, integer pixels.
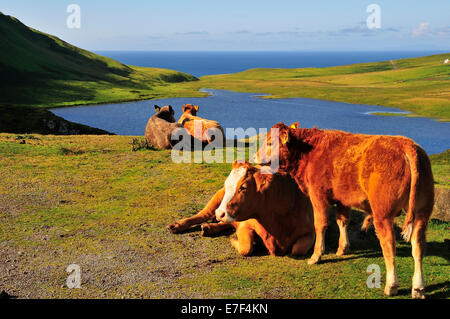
[{"x": 224, "y": 216}]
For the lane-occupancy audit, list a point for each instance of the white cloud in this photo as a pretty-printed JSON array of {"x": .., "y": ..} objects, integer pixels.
[{"x": 422, "y": 29}]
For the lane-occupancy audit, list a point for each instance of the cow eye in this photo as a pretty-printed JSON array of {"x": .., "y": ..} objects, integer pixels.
[{"x": 243, "y": 187}]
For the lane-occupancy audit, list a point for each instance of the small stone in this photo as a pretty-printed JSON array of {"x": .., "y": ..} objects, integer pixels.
[{"x": 4, "y": 295}]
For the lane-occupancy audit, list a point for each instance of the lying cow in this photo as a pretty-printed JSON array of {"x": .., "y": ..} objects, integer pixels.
[
  {"x": 380, "y": 175},
  {"x": 200, "y": 128},
  {"x": 160, "y": 127},
  {"x": 269, "y": 206}
]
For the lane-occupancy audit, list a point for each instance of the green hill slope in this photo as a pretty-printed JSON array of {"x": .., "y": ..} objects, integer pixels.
[
  {"x": 28, "y": 52},
  {"x": 38, "y": 69},
  {"x": 420, "y": 85}
]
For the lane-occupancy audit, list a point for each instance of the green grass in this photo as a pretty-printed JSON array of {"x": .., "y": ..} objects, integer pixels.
[
  {"x": 441, "y": 169},
  {"x": 92, "y": 201},
  {"x": 41, "y": 70},
  {"x": 419, "y": 85},
  {"x": 388, "y": 114}
]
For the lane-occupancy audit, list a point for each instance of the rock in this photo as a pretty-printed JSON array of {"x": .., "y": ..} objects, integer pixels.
[
  {"x": 441, "y": 208},
  {"x": 4, "y": 295},
  {"x": 51, "y": 124}
]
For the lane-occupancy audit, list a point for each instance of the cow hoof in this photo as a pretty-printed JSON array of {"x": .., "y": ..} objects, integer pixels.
[
  {"x": 342, "y": 251},
  {"x": 313, "y": 260},
  {"x": 418, "y": 293},
  {"x": 175, "y": 228},
  {"x": 206, "y": 230},
  {"x": 391, "y": 291}
]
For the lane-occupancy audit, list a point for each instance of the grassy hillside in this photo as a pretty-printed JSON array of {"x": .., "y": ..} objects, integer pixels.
[
  {"x": 91, "y": 201},
  {"x": 38, "y": 69},
  {"x": 420, "y": 85}
]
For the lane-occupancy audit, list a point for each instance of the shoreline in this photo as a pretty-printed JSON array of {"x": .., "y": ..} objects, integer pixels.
[{"x": 259, "y": 95}]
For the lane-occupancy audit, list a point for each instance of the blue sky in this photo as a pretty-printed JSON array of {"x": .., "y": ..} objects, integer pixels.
[{"x": 320, "y": 25}]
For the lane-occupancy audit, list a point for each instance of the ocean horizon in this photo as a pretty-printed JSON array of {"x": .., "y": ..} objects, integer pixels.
[{"x": 201, "y": 63}]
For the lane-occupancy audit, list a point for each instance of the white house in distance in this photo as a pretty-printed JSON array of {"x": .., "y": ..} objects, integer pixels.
[{"x": 446, "y": 61}]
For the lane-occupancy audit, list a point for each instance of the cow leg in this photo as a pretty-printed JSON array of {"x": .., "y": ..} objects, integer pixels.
[
  {"x": 245, "y": 237},
  {"x": 204, "y": 215},
  {"x": 418, "y": 249},
  {"x": 342, "y": 219},
  {"x": 216, "y": 228},
  {"x": 385, "y": 232},
  {"x": 303, "y": 244},
  {"x": 320, "y": 225}
]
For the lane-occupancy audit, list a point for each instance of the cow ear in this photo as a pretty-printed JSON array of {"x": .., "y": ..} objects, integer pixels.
[
  {"x": 284, "y": 136},
  {"x": 261, "y": 180},
  {"x": 196, "y": 108},
  {"x": 294, "y": 125},
  {"x": 184, "y": 108},
  {"x": 157, "y": 108}
]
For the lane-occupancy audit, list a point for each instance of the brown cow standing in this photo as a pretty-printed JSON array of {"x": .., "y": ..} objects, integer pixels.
[
  {"x": 200, "y": 128},
  {"x": 160, "y": 127},
  {"x": 380, "y": 175},
  {"x": 269, "y": 206}
]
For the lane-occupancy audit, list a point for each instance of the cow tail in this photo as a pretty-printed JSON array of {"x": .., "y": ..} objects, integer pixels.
[{"x": 408, "y": 224}]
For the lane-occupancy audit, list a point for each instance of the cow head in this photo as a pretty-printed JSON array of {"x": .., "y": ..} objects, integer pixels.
[
  {"x": 190, "y": 109},
  {"x": 244, "y": 189},
  {"x": 166, "y": 113},
  {"x": 274, "y": 148}
]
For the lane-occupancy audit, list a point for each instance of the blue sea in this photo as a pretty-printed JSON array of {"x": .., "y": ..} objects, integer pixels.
[{"x": 209, "y": 63}]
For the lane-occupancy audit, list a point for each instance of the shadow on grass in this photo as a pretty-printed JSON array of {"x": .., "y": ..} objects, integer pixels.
[
  {"x": 5, "y": 295},
  {"x": 435, "y": 291},
  {"x": 362, "y": 244},
  {"x": 366, "y": 244}
]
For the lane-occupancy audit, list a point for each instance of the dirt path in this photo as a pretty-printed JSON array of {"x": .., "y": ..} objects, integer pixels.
[{"x": 394, "y": 66}]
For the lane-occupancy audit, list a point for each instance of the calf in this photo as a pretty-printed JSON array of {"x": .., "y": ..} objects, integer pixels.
[
  {"x": 380, "y": 175},
  {"x": 160, "y": 127},
  {"x": 270, "y": 207},
  {"x": 200, "y": 128}
]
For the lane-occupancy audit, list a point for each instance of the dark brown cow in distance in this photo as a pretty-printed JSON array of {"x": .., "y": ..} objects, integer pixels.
[
  {"x": 269, "y": 206},
  {"x": 160, "y": 127},
  {"x": 381, "y": 175}
]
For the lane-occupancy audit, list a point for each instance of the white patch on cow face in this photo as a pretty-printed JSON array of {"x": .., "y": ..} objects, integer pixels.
[{"x": 230, "y": 190}]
